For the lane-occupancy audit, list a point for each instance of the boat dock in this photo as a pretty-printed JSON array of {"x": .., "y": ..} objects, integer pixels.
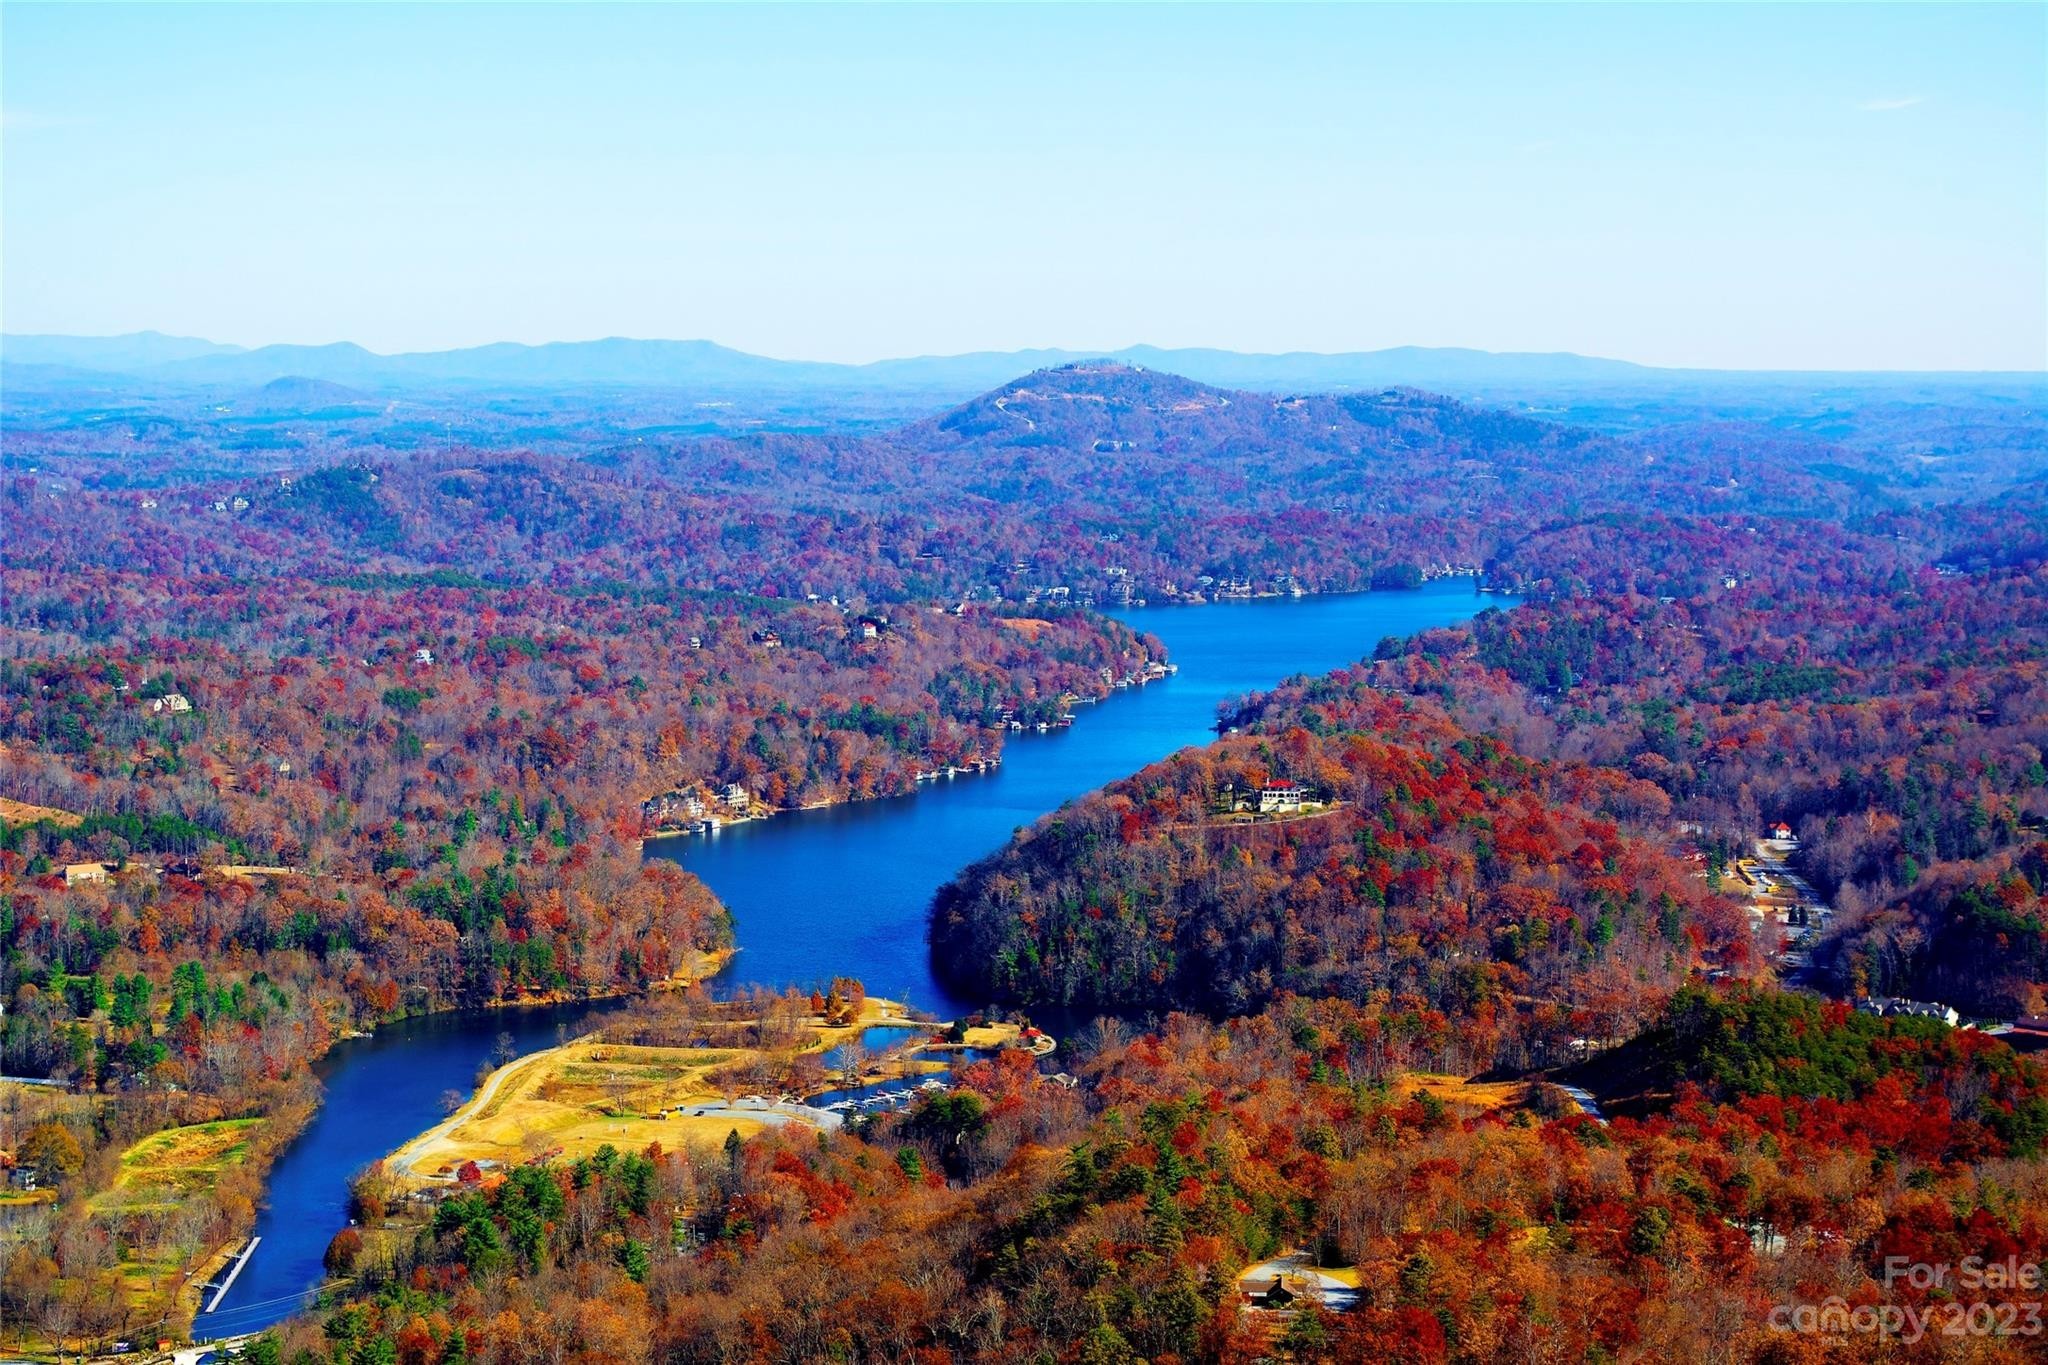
[{"x": 233, "y": 1271}]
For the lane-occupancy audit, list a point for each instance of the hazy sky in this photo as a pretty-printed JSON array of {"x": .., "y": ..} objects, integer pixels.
[{"x": 1796, "y": 186}]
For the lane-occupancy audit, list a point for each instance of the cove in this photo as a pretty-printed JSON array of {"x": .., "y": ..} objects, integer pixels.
[
  {"x": 378, "y": 1092},
  {"x": 841, "y": 890}
]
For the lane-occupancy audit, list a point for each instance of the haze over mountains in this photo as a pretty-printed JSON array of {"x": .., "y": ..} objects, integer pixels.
[
  {"x": 153, "y": 361},
  {"x": 299, "y": 406}
]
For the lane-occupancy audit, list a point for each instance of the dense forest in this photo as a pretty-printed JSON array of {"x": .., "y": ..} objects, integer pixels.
[
  {"x": 1715, "y": 675},
  {"x": 441, "y": 788},
  {"x": 1896, "y": 720},
  {"x": 1433, "y": 868},
  {"x": 298, "y": 738},
  {"x": 1789, "y": 1148},
  {"x": 1073, "y": 481}
]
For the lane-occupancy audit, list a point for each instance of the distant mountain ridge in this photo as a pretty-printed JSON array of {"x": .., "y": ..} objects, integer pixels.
[
  {"x": 630, "y": 362},
  {"x": 155, "y": 364},
  {"x": 133, "y": 351}
]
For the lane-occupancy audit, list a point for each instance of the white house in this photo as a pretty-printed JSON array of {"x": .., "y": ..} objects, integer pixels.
[
  {"x": 1892, "y": 1007},
  {"x": 1281, "y": 797}
]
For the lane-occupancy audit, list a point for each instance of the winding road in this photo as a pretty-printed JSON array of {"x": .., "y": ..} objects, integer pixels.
[{"x": 407, "y": 1157}]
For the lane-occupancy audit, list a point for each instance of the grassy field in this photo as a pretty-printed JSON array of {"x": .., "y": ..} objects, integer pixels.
[
  {"x": 22, "y": 813},
  {"x": 22, "y": 1199},
  {"x": 1459, "y": 1092},
  {"x": 571, "y": 1100},
  {"x": 167, "y": 1167},
  {"x": 568, "y": 1101},
  {"x": 990, "y": 1036}
]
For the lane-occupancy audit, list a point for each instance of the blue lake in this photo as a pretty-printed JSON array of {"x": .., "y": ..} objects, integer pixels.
[
  {"x": 844, "y": 889},
  {"x": 817, "y": 894},
  {"x": 380, "y": 1091}
]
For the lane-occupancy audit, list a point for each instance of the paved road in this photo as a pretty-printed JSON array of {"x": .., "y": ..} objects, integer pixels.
[
  {"x": 1583, "y": 1098},
  {"x": 776, "y": 1114},
  {"x": 409, "y": 1155},
  {"x": 1795, "y": 964},
  {"x": 192, "y": 1355}
]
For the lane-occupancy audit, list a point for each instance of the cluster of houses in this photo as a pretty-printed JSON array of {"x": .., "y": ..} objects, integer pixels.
[
  {"x": 682, "y": 806},
  {"x": 692, "y": 809},
  {"x": 170, "y": 703},
  {"x": 1212, "y": 588},
  {"x": 1122, "y": 584},
  {"x": 863, "y": 628}
]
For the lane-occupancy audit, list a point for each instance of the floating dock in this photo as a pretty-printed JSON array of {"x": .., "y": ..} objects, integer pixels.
[{"x": 233, "y": 1272}]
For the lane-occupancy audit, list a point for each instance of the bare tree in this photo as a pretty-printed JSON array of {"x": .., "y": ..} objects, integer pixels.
[
  {"x": 617, "y": 1085},
  {"x": 853, "y": 1060}
]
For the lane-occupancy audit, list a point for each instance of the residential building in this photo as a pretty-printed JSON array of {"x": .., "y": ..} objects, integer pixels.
[
  {"x": 80, "y": 874},
  {"x": 1892, "y": 1007},
  {"x": 1281, "y": 797}
]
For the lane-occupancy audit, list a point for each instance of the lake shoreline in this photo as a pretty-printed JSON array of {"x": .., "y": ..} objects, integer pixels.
[
  {"x": 977, "y": 767},
  {"x": 984, "y": 765},
  {"x": 843, "y": 891}
]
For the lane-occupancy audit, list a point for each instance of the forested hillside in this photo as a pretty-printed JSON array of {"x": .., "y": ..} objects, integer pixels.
[
  {"x": 294, "y": 746},
  {"x": 1017, "y": 1219},
  {"x": 448, "y": 781},
  {"x": 1101, "y": 482},
  {"x": 1484, "y": 896},
  {"x": 1894, "y": 717}
]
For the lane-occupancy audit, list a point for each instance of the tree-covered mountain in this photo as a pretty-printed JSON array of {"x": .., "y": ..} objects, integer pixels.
[{"x": 430, "y": 661}]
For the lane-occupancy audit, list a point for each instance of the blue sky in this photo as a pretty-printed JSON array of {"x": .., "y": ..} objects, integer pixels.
[{"x": 1800, "y": 186}]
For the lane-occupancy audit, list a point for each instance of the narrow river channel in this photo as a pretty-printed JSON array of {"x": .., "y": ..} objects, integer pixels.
[{"x": 837, "y": 891}]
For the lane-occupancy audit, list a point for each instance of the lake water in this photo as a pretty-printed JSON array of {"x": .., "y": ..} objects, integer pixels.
[
  {"x": 816, "y": 894},
  {"x": 380, "y": 1091},
  {"x": 844, "y": 889}
]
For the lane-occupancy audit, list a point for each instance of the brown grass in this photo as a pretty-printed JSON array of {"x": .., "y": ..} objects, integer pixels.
[
  {"x": 22, "y": 813},
  {"x": 568, "y": 1101},
  {"x": 1457, "y": 1091},
  {"x": 1030, "y": 627},
  {"x": 571, "y": 1100},
  {"x": 175, "y": 1164}
]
